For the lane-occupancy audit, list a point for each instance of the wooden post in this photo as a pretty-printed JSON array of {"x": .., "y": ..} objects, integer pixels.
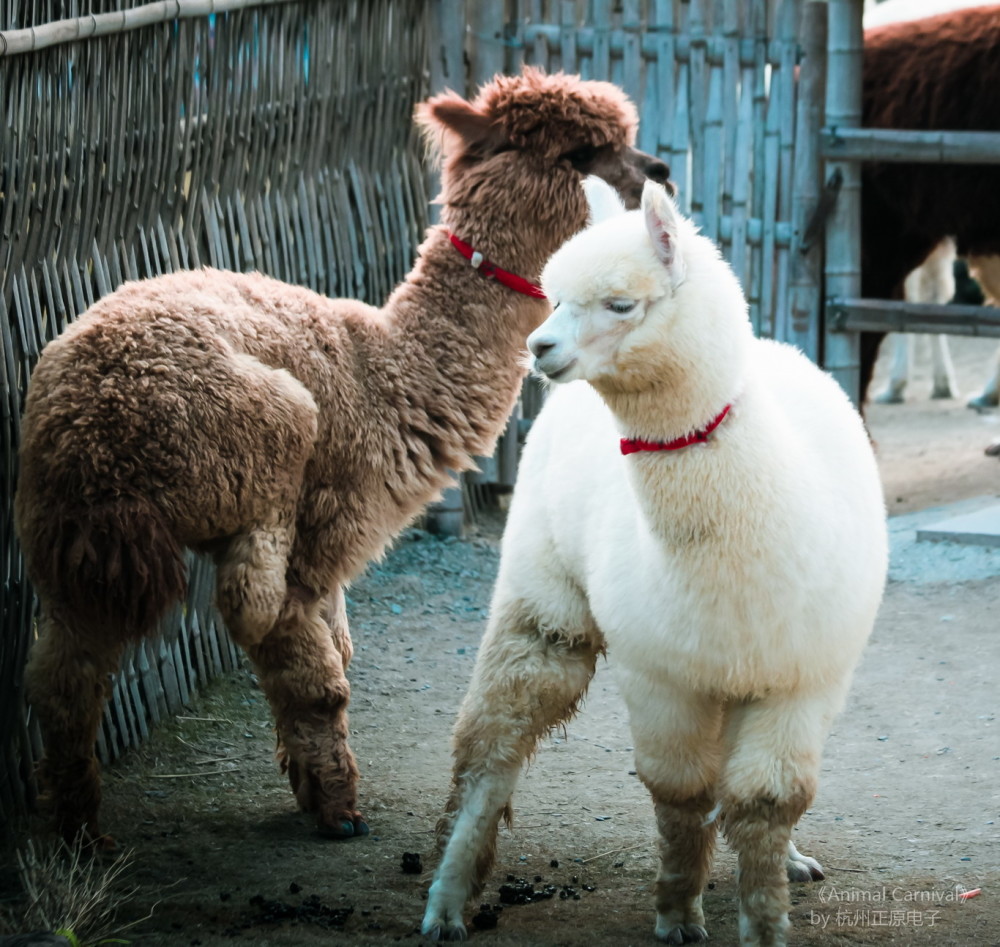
[
  {"x": 801, "y": 324},
  {"x": 843, "y": 228}
]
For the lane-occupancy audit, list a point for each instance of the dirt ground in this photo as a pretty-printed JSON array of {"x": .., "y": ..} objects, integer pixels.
[{"x": 906, "y": 815}]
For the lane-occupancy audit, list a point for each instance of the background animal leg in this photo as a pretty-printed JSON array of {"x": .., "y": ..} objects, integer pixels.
[
  {"x": 944, "y": 383},
  {"x": 899, "y": 373},
  {"x": 302, "y": 673},
  {"x": 989, "y": 397},
  {"x": 68, "y": 678},
  {"x": 527, "y": 680}
]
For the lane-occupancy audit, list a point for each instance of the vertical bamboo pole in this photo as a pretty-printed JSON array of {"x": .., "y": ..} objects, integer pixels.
[
  {"x": 843, "y": 227},
  {"x": 567, "y": 34},
  {"x": 728, "y": 24},
  {"x": 601, "y": 61},
  {"x": 697, "y": 102},
  {"x": 447, "y": 55},
  {"x": 486, "y": 25},
  {"x": 632, "y": 51},
  {"x": 711, "y": 177},
  {"x": 785, "y": 86},
  {"x": 801, "y": 324},
  {"x": 663, "y": 10}
]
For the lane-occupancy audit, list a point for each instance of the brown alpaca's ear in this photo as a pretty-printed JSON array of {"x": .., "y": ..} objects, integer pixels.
[{"x": 450, "y": 114}]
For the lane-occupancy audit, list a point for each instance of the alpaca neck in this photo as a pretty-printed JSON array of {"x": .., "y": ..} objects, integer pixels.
[{"x": 457, "y": 340}]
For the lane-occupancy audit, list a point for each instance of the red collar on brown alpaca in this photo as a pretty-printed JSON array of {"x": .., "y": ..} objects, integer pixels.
[
  {"x": 631, "y": 445},
  {"x": 491, "y": 271}
]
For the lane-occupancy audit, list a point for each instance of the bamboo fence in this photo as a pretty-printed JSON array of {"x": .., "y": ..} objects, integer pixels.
[
  {"x": 277, "y": 136},
  {"x": 269, "y": 136}
]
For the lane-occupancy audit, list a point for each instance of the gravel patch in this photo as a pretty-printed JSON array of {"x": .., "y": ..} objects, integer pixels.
[{"x": 929, "y": 563}]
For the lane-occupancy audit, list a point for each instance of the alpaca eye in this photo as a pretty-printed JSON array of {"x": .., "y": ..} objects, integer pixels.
[
  {"x": 620, "y": 307},
  {"x": 581, "y": 157}
]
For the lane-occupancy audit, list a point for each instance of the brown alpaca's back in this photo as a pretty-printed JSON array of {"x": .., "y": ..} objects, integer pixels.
[{"x": 289, "y": 435}]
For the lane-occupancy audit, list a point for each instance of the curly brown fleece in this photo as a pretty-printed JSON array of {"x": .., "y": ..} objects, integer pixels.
[{"x": 288, "y": 434}]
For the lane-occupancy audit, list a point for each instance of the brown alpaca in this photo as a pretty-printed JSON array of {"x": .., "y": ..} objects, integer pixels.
[{"x": 289, "y": 435}]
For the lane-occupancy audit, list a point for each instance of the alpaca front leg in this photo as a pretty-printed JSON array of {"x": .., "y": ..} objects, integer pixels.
[
  {"x": 68, "y": 678},
  {"x": 772, "y": 749},
  {"x": 527, "y": 680},
  {"x": 677, "y": 753},
  {"x": 301, "y": 667}
]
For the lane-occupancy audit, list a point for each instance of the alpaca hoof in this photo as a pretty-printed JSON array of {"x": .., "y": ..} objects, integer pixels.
[
  {"x": 802, "y": 868},
  {"x": 889, "y": 396},
  {"x": 942, "y": 394},
  {"x": 993, "y": 450},
  {"x": 682, "y": 934},
  {"x": 444, "y": 930},
  {"x": 344, "y": 828}
]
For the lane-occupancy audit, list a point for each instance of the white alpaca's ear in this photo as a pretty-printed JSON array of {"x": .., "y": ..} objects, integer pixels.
[
  {"x": 663, "y": 226},
  {"x": 602, "y": 198}
]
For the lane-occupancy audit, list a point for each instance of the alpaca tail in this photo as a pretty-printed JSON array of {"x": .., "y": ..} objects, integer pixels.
[{"x": 116, "y": 565}]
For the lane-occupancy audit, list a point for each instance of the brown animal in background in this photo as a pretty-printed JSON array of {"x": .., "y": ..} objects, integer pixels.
[
  {"x": 290, "y": 435},
  {"x": 938, "y": 73}
]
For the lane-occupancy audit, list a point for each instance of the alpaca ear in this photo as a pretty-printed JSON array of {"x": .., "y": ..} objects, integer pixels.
[
  {"x": 602, "y": 199},
  {"x": 663, "y": 226},
  {"x": 449, "y": 112}
]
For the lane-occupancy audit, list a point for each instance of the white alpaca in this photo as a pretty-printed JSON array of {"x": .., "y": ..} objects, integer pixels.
[{"x": 733, "y": 582}]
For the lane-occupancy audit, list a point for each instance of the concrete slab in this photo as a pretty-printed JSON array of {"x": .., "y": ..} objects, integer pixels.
[{"x": 981, "y": 528}]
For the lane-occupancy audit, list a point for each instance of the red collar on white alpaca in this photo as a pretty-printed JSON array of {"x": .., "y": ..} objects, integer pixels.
[
  {"x": 491, "y": 271},
  {"x": 631, "y": 445}
]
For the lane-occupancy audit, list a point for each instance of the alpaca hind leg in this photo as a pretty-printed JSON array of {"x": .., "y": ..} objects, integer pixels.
[
  {"x": 773, "y": 748},
  {"x": 528, "y": 678},
  {"x": 68, "y": 679},
  {"x": 302, "y": 673},
  {"x": 677, "y": 752},
  {"x": 899, "y": 372}
]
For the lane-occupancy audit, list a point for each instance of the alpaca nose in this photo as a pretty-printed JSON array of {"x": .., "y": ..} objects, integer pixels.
[
  {"x": 541, "y": 347},
  {"x": 657, "y": 170}
]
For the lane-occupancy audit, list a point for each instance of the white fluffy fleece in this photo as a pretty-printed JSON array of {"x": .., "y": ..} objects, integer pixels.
[{"x": 734, "y": 582}]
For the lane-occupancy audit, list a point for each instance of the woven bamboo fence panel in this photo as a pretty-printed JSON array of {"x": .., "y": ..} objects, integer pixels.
[{"x": 274, "y": 136}]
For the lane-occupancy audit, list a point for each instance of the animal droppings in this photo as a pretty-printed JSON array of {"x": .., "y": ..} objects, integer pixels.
[
  {"x": 522, "y": 891},
  {"x": 310, "y": 911},
  {"x": 411, "y": 863},
  {"x": 487, "y": 917}
]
